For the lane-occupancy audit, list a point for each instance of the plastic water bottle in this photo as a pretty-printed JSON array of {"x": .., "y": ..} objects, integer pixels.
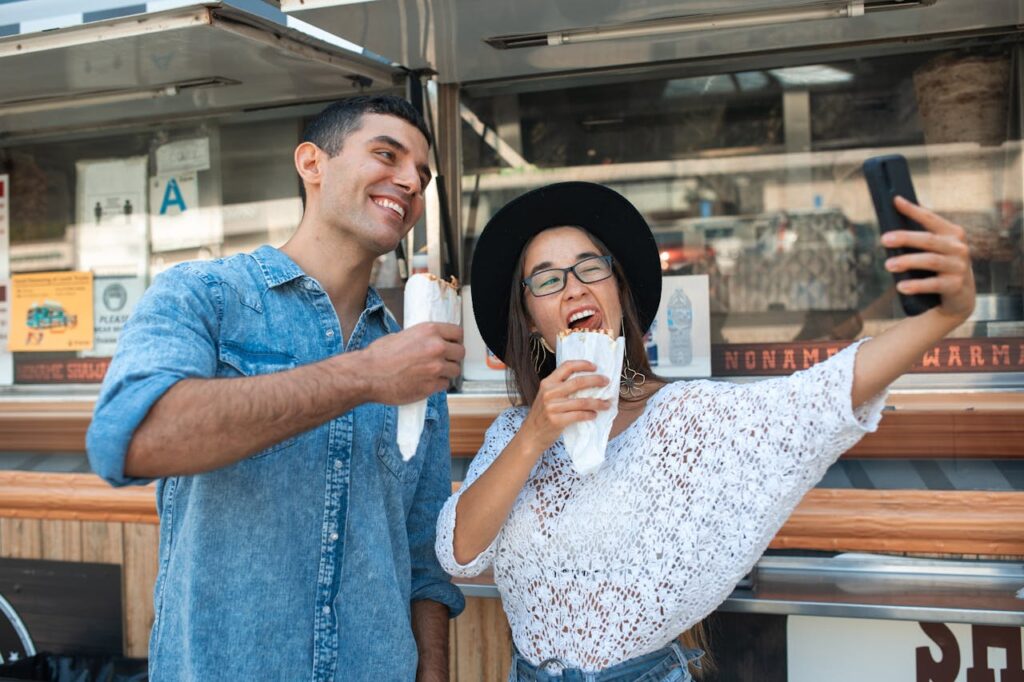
[
  {"x": 650, "y": 344},
  {"x": 680, "y": 322}
]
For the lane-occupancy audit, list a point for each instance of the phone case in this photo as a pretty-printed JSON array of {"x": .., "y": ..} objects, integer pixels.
[{"x": 887, "y": 177}]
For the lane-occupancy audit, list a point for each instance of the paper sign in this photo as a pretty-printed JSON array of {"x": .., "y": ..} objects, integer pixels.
[
  {"x": 51, "y": 311},
  {"x": 5, "y": 226},
  {"x": 6, "y": 358},
  {"x": 183, "y": 156},
  {"x": 114, "y": 298},
  {"x": 177, "y": 221},
  {"x": 111, "y": 216}
]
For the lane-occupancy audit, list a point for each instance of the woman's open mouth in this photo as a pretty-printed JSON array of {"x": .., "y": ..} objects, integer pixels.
[{"x": 585, "y": 318}]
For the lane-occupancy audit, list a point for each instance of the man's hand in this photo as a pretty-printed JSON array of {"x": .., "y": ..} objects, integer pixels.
[{"x": 412, "y": 364}]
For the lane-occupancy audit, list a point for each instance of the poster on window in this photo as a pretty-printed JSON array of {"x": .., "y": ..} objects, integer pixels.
[
  {"x": 114, "y": 298},
  {"x": 679, "y": 340},
  {"x": 177, "y": 220},
  {"x": 6, "y": 357},
  {"x": 51, "y": 311},
  {"x": 111, "y": 215},
  {"x": 5, "y": 226}
]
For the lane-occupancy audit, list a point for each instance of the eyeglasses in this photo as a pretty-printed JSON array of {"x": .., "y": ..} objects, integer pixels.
[{"x": 551, "y": 281}]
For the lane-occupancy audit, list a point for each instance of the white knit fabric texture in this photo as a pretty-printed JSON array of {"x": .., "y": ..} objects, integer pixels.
[{"x": 594, "y": 570}]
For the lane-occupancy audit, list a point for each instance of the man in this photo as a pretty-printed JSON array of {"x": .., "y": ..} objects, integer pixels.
[{"x": 295, "y": 542}]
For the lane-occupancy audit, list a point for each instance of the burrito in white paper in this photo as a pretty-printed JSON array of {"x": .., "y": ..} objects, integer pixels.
[
  {"x": 586, "y": 441},
  {"x": 427, "y": 299}
]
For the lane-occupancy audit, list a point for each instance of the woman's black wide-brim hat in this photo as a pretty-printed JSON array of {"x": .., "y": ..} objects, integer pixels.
[{"x": 599, "y": 210}]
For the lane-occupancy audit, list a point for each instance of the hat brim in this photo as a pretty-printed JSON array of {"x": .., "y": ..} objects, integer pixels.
[{"x": 603, "y": 212}]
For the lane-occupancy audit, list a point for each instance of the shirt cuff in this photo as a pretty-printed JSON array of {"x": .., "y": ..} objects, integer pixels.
[{"x": 442, "y": 592}]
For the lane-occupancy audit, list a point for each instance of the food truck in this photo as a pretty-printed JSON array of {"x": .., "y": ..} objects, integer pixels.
[{"x": 737, "y": 127}]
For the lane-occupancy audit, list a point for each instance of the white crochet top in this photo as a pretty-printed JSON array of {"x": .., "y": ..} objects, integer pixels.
[{"x": 594, "y": 570}]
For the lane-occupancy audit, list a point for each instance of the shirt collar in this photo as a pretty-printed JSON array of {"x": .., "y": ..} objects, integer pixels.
[{"x": 277, "y": 268}]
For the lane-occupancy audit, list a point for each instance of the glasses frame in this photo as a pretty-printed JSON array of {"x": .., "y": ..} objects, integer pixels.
[{"x": 565, "y": 275}]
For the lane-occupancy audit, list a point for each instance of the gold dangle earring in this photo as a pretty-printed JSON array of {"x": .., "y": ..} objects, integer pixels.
[
  {"x": 539, "y": 349},
  {"x": 630, "y": 381}
]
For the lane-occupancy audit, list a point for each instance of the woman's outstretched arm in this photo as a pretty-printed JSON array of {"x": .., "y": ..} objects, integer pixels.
[{"x": 881, "y": 360}]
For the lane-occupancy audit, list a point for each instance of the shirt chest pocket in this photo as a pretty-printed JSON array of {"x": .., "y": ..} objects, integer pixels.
[
  {"x": 237, "y": 361},
  {"x": 387, "y": 448}
]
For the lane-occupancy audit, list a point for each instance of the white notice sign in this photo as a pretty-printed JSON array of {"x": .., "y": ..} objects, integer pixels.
[
  {"x": 114, "y": 298},
  {"x": 111, "y": 216},
  {"x": 183, "y": 156},
  {"x": 177, "y": 221}
]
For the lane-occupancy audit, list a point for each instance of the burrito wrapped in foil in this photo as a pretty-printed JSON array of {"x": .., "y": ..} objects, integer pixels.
[
  {"x": 427, "y": 299},
  {"x": 586, "y": 441}
]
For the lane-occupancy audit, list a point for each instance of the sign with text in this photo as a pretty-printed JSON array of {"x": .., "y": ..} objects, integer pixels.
[
  {"x": 51, "y": 311},
  {"x": 949, "y": 355},
  {"x": 114, "y": 298},
  {"x": 858, "y": 649},
  {"x": 176, "y": 219},
  {"x": 51, "y": 368}
]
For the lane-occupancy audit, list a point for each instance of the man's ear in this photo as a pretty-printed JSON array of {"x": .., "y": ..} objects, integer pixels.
[{"x": 308, "y": 159}]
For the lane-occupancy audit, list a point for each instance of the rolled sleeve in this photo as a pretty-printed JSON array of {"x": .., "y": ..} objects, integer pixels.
[
  {"x": 429, "y": 581},
  {"x": 170, "y": 336}
]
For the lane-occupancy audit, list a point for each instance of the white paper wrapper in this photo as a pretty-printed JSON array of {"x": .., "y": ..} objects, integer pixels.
[
  {"x": 586, "y": 441},
  {"x": 427, "y": 299}
]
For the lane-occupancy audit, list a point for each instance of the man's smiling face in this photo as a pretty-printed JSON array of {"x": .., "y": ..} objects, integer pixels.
[{"x": 372, "y": 189}]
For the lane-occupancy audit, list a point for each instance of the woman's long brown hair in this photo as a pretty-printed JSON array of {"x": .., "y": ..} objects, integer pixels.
[{"x": 523, "y": 379}]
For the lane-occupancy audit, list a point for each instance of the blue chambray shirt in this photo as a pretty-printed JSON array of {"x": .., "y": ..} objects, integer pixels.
[{"x": 299, "y": 562}]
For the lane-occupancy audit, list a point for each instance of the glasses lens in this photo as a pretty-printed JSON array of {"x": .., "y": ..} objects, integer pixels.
[
  {"x": 594, "y": 269},
  {"x": 547, "y": 282}
]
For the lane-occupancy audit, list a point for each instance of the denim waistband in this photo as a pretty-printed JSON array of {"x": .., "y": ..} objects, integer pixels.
[{"x": 553, "y": 670}]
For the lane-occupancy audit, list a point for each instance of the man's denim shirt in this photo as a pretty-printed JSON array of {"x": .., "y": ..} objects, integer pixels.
[{"x": 299, "y": 562}]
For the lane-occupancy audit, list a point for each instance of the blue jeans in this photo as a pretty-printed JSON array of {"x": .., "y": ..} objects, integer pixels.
[{"x": 665, "y": 665}]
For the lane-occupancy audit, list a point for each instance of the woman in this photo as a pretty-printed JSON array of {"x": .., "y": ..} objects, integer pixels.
[{"x": 598, "y": 574}]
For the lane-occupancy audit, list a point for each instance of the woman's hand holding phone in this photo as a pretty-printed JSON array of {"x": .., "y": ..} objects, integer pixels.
[{"x": 943, "y": 250}]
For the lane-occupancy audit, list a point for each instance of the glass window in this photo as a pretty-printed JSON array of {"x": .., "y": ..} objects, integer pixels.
[
  {"x": 753, "y": 178},
  {"x": 124, "y": 206}
]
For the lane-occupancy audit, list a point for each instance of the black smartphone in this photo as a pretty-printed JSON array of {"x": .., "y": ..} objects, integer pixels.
[{"x": 887, "y": 177}]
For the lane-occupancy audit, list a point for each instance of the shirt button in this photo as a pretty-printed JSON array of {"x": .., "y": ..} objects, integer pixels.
[
  {"x": 330, "y": 333},
  {"x": 334, "y": 537},
  {"x": 327, "y": 609},
  {"x": 337, "y": 464},
  {"x": 309, "y": 285}
]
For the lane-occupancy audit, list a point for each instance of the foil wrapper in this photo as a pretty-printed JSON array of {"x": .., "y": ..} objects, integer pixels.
[
  {"x": 586, "y": 441},
  {"x": 427, "y": 299}
]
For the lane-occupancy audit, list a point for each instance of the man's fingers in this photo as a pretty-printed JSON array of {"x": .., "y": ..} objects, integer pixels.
[{"x": 448, "y": 332}]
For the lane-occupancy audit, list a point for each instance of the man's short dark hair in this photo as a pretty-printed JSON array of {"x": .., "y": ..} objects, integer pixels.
[{"x": 329, "y": 129}]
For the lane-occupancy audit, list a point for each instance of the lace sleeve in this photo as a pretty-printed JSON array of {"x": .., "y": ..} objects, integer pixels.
[
  {"x": 747, "y": 454},
  {"x": 497, "y": 437}
]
